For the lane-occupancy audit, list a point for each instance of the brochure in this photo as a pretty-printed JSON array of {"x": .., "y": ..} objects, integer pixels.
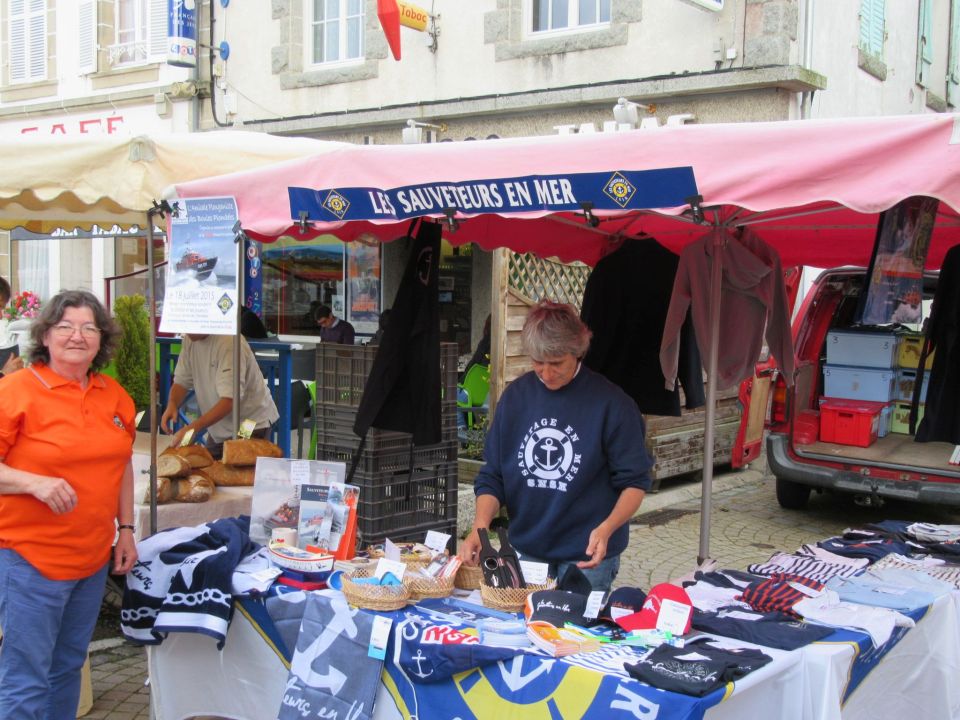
[{"x": 324, "y": 510}]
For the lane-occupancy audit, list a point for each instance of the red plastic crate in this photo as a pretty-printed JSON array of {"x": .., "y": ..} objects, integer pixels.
[{"x": 849, "y": 422}]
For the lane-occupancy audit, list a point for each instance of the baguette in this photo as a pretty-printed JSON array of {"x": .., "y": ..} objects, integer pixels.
[
  {"x": 171, "y": 465},
  {"x": 246, "y": 452},
  {"x": 197, "y": 455},
  {"x": 227, "y": 475},
  {"x": 165, "y": 491},
  {"x": 195, "y": 488}
]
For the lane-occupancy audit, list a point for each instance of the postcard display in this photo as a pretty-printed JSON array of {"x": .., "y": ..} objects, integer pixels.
[{"x": 306, "y": 496}]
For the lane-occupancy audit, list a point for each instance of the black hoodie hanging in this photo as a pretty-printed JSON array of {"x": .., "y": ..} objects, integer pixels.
[{"x": 402, "y": 392}]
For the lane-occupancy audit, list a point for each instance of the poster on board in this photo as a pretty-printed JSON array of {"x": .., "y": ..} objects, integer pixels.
[
  {"x": 201, "y": 286},
  {"x": 363, "y": 286}
]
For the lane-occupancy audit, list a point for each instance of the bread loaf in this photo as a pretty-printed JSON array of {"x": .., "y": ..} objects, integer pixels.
[
  {"x": 171, "y": 465},
  {"x": 246, "y": 452},
  {"x": 228, "y": 476},
  {"x": 165, "y": 491},
  {"x": 197, "y": 455},
  {"x": 194, "y": 488}
]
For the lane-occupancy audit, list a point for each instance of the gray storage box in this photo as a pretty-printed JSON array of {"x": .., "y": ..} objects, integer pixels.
[
  {"x": 861, "y": 349},
  {"x": 858, "y": 383}
]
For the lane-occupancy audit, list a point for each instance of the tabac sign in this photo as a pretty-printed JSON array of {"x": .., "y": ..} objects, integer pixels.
[{"x": 613, "y": 190}]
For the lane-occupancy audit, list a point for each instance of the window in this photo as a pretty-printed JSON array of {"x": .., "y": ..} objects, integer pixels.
[
  {"x": 564, "y": 14},
  {"x": 924, "y": 42},
  {"x": 872, "y": 26},
  {"x": 28, "y": 40},
  {"x": 336, "y": 29},
  {"x": 141, "y": 31},
  {"x": 953, "y": 69}
]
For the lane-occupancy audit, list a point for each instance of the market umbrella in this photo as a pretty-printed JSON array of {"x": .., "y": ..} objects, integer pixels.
[{"x": 811, "y": 189}]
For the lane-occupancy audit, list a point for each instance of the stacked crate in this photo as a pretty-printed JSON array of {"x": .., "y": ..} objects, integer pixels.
[
  {"x": 404, "y": 490},
  {"x": 908, "y": 358},
  {"x": 858, "y": 382}
]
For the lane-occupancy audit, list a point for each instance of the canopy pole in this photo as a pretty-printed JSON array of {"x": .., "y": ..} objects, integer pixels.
[
  {"x": 235, "y": 414},
  {"x": 152, "y": 312},
  {"x": 706, "y": 496}
]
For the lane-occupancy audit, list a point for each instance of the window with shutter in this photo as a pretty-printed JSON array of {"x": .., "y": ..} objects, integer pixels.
[
  {"x": 336, "y": 31},
  {"x": 141, "y": 32},
  {"x": 872, "y": 26},
  {"x": 87, "y": 40},
  {"x": 953, "y": 68},
  {"x": 158, "y": 30},
  {"x": 924, "y": 42},
  {"x": 28, "y": 40}
]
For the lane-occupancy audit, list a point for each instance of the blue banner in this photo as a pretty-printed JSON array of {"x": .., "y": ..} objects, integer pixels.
[
  {"x": 182, "y": 33},
  {"x": 616, "y": 190}
]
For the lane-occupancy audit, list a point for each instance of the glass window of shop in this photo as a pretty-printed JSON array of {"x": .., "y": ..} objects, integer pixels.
[
  {"x": 454, "y": 285},
  {"x": 299, "y": 276},
  {"x": 130, "y": 266}
]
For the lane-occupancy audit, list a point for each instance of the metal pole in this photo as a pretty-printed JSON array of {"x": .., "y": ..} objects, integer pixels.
[
  {"x": 236, "y": 337},
  {"x": 706, "y": 497},
  {"x": 152, "y": 311}
]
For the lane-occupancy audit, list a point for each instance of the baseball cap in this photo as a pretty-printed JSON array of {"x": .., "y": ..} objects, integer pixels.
[
  {"x": 555, "y": 607},
  {"x": 667, "y": 607},
  {"x": 622, "y": 601}
]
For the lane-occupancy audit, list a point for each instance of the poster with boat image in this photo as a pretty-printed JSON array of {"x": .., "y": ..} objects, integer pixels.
[{"x": 201, "y": 286}]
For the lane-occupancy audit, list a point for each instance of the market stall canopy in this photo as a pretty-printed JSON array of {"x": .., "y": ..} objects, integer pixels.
[
  {"x": 77, "y": 181},
  {"x": 812, "y": 188}
]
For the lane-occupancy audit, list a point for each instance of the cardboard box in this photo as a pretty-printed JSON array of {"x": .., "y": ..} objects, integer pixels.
[
  {"x": 900, "y": 421},
  {"x": 909, "y": 346},
  {"x": 862, "y": 349},
  {"x": 858, "y": 383},
  {"x": 849, "y": 422},
  {"x": 906, "y": 378}
]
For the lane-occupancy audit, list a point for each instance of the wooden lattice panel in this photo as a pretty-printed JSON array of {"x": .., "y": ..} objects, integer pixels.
[{"x": 541, "y": 279}]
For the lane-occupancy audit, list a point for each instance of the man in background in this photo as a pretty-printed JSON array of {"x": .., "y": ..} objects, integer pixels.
[{"x": 332, "y": 328}]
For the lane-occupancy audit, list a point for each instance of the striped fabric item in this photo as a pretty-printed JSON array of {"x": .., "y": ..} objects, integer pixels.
[
  {"x": 947, "y": 572},
  {"x": 808, "y": 567},
  {"x": 779, "y": 593}
]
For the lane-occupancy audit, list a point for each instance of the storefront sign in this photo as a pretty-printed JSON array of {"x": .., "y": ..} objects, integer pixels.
[
  {"x": 182, "y": 33},
  {"x": 619, "y": 190},
  {"x": 412, "y": 16},
  {"x": 201, "y": 286}
]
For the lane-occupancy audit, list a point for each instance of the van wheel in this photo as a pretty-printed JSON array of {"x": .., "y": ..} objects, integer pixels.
[{"x": 792, "y": 495}]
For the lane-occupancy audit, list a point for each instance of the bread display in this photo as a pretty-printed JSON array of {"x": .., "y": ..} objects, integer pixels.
[
  {"x": 171, "y": 465},
  {"x": 227, "y": 475},
  {"x": 246, "y": 452},
  {"x": 165, "y": 491},
  {"x": 197, "y": 455},
  {"x": 195, "y": 488}
]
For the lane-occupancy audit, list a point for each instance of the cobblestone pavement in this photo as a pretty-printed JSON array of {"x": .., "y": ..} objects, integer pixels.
[{"x": 747, "y": 526}]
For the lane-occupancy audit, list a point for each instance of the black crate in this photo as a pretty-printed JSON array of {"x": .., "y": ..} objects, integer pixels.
[
  {"x": 334, "y": 424},
  {"x": 342, "y": 372},
  {"x": 412, "y": 534},
  {"x": 399, "y": 504},
  {"x": 388, "y": 461}
]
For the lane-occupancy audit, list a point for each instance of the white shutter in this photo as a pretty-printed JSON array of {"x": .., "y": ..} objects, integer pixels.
[
  {"x": 953, "y": 69},
  {"x": 87, "y": 40},
  {"x": 872, "y": 26},
  {"x": 924, "y": 42},
  {"x": 18, "y": 41},
  {"x": 37, "y": 32},
  {"x": 157, "y": 30}
]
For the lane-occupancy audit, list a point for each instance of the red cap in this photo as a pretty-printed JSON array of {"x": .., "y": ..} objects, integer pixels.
[{"x": 657, "y": 598}]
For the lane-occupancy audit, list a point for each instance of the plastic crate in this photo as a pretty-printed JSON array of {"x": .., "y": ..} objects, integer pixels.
[
  {"x": 858, "y": 383},
  {"x": 334, "y": 427},
  {"x": 400, "y": 504},
  {"x": 900, "y": 420},
  {"x": 412, "y": 534},
  {"x": 906, "y": 379},
  {"x": 849, "y": 422},
  {"x": 390, "y": 460},
  {"x": 862, "y": 349},
  {"x": 342, "y": 372},
  {"x": 909, "y": 346}
]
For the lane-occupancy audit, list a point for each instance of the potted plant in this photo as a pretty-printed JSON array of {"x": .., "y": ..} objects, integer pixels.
[{"x": 132, "y": 357}]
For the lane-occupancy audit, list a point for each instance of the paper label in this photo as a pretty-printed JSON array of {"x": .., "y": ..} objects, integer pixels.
[
  {"x": 187, "y": 438},
  {"x": 300, "y": 472},
  {"x": 673, "y": 616},
  {"x": 385, "y": 566},
  {"x": 740, "y": 615},
  {"x": 246, "y": 429},
  {"x": 534, "y": 573},
  {"x": 437, "y": 541},
  {"x": 618, "y": 612},
  {"x": 391, "y": 551},
  {"x": 379, "y": 637},
  {"x": 266, "y": 575},
  {"x": 594, "y": 603},
  {"x": 139, "y": 418}
]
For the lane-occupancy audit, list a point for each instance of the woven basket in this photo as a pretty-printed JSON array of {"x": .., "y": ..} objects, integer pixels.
[
  {"x": 375, "y": 597},
  {"x": 426, "y": 587},
  {"x": 469, "y": 577},
  {"x": 510, "y": 599}
]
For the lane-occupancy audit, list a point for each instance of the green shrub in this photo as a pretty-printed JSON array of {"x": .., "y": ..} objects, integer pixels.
[{"x": 132, "y": 358}]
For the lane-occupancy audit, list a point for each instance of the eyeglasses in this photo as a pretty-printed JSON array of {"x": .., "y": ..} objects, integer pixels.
[{"x": 65, "y": 329}]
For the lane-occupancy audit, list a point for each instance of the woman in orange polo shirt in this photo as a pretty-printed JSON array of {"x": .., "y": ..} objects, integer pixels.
[{"x": 66, "y": 491}]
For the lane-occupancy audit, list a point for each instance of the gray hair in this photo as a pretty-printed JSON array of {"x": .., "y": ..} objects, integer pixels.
[
  {"x": 52, "y": 313},
  {"x": 553, "y": 329}
]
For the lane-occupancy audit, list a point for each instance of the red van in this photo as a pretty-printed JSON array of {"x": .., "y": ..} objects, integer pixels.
[{"x": 872, "y": 462}]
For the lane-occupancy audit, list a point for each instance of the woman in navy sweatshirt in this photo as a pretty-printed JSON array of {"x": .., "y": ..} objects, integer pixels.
[{"x": 565, "y": 456}]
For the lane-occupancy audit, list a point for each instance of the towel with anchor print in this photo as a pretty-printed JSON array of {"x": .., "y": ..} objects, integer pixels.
[
  {"x": 182, "y": 581},
  {"x": 331, "y": 674}
]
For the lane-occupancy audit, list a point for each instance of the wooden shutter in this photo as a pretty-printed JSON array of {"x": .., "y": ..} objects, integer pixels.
[
  {"x": 157, "y": 30},
  {"x": 87, "y": 40},
  {"x": 872, "y": 26},
  {"x": 924, "y": 42}
]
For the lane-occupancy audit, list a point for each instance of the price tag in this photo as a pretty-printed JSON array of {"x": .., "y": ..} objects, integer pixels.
[
  {"x": 300, "y": 472},
  {"x": 139, "y": 417},
  {"x": 437, "y": 541},
  {"x": 594, "y": 603},
  {"x": 266, "y": 575},
  {"x": 534, "y": 573},
  {"x": 187, "y": 438},
  {"x": 379, "y": 637},
  {"x": 673, "y": 616},
  {"x": 391, "y": 551},
  {"x": 385, "y": 566},
  {"x": 246, "y": 429}
]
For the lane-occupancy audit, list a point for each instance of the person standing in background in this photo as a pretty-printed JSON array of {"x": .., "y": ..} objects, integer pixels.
[
  {"x": 14, "y": 362},
  {"x": 332, "y": 328},
  {"x": 66, "y": 493}
]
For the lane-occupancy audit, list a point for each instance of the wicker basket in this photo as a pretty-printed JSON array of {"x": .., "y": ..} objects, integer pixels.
[
  {"x": 469, "y": 577},
  {"x": 510, "y": 599},
  {"x": 375, "y": 597},
  {"x": 427, "y": 587}
]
